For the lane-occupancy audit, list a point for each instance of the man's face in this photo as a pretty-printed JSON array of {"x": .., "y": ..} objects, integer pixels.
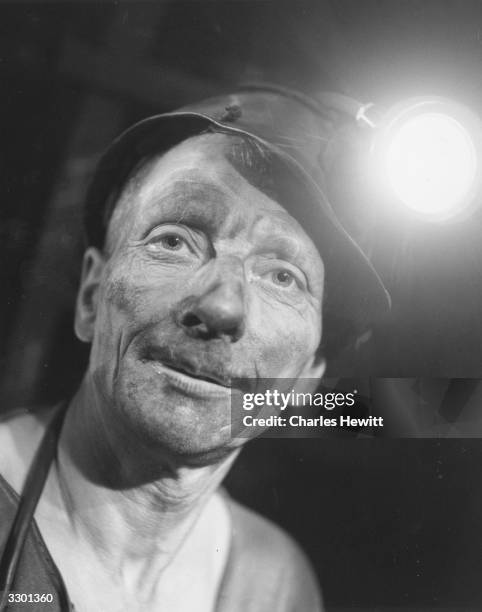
[{"x": 205, "y": 278}]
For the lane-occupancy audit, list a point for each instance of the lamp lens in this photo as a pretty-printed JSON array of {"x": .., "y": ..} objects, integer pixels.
[{"x": 431, "y": 163}]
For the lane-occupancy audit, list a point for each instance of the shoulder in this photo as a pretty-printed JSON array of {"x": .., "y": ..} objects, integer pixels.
[
  {"x": 20, "y": 434},
  {"x": 273, "y": 556}
]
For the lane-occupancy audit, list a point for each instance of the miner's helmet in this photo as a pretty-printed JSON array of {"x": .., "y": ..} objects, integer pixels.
[{"x": 294, "y": 130}]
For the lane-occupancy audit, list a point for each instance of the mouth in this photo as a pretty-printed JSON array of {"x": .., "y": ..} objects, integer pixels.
[
  {"x": 189, "y": 365},
  {"x": 189, "y": 379},
  {"x": 187, "y": 371}
]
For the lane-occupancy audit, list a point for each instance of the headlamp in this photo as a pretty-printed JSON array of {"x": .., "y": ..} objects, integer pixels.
[{"x": 426, "y": 154}]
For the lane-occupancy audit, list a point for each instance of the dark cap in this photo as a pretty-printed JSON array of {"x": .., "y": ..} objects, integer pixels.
[{"x": 295, "y": 132}]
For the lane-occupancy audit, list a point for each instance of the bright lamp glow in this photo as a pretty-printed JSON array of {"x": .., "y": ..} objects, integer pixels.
[
  {"x": 431, "y": 163},
  {"x": 428, "y": 157}
]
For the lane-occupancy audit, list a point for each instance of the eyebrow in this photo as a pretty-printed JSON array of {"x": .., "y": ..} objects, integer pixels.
[
  {"x": 288, "y": 248},
  {"x": 283, "y": 245},
  {"x": 183, "y": 200}
]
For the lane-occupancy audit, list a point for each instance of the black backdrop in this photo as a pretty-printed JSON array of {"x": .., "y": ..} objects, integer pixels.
[{"x": 386, "y": 523}]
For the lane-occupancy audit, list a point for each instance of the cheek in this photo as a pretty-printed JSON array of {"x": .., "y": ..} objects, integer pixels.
[
  {"x": 140, "y": 290},
  {"x": 286, "y": 339},
  {"x": 132, "y": 297}
]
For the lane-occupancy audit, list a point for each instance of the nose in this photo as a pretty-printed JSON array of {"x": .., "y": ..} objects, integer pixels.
[{"x": 218, "y": 312}]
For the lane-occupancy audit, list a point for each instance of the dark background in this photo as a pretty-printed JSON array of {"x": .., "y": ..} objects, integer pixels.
[{"x": 386, "y": 522}]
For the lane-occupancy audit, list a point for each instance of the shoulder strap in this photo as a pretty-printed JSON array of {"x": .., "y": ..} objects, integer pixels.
[{"x": 31, "y": 492}]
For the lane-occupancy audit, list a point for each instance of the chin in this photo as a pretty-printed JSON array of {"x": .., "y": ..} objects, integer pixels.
[{"x": 175, "y": 413}]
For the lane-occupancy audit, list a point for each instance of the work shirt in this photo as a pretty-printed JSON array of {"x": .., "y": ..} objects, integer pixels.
[{"x": 265, "y": 569}]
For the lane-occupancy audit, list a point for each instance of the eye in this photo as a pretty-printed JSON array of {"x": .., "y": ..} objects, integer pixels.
[
  {"x": 169, "y": 241},
  {"x": 173, "y": 242},
  {"x": 177, "y": 244},
  {"x": 284, "y": 278}
]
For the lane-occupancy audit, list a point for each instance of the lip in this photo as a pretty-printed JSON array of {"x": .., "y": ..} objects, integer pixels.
[
  {"x": 209, "y": 370},
  {"x": 190, "y": 383}
]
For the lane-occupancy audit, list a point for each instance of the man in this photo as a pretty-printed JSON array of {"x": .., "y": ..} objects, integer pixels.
[{"x": 211, "y": 255}]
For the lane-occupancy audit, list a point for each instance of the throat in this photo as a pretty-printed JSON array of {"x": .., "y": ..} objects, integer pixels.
[
  {"x": 182, "y": 568},
  {"x": 126, "y": 504}
]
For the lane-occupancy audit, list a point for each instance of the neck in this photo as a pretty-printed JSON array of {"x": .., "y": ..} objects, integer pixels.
[{"x": 122, "y": 497}]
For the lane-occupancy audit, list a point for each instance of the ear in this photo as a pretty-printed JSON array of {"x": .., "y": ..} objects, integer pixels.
[
  {"x": 87, "y": 295},
  {"x": 312, "y": 373}
]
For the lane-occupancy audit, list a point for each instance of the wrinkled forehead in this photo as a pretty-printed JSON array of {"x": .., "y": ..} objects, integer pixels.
[
  {"x": 200, "y": 169},
  {"x": 214, "y": 177}
]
